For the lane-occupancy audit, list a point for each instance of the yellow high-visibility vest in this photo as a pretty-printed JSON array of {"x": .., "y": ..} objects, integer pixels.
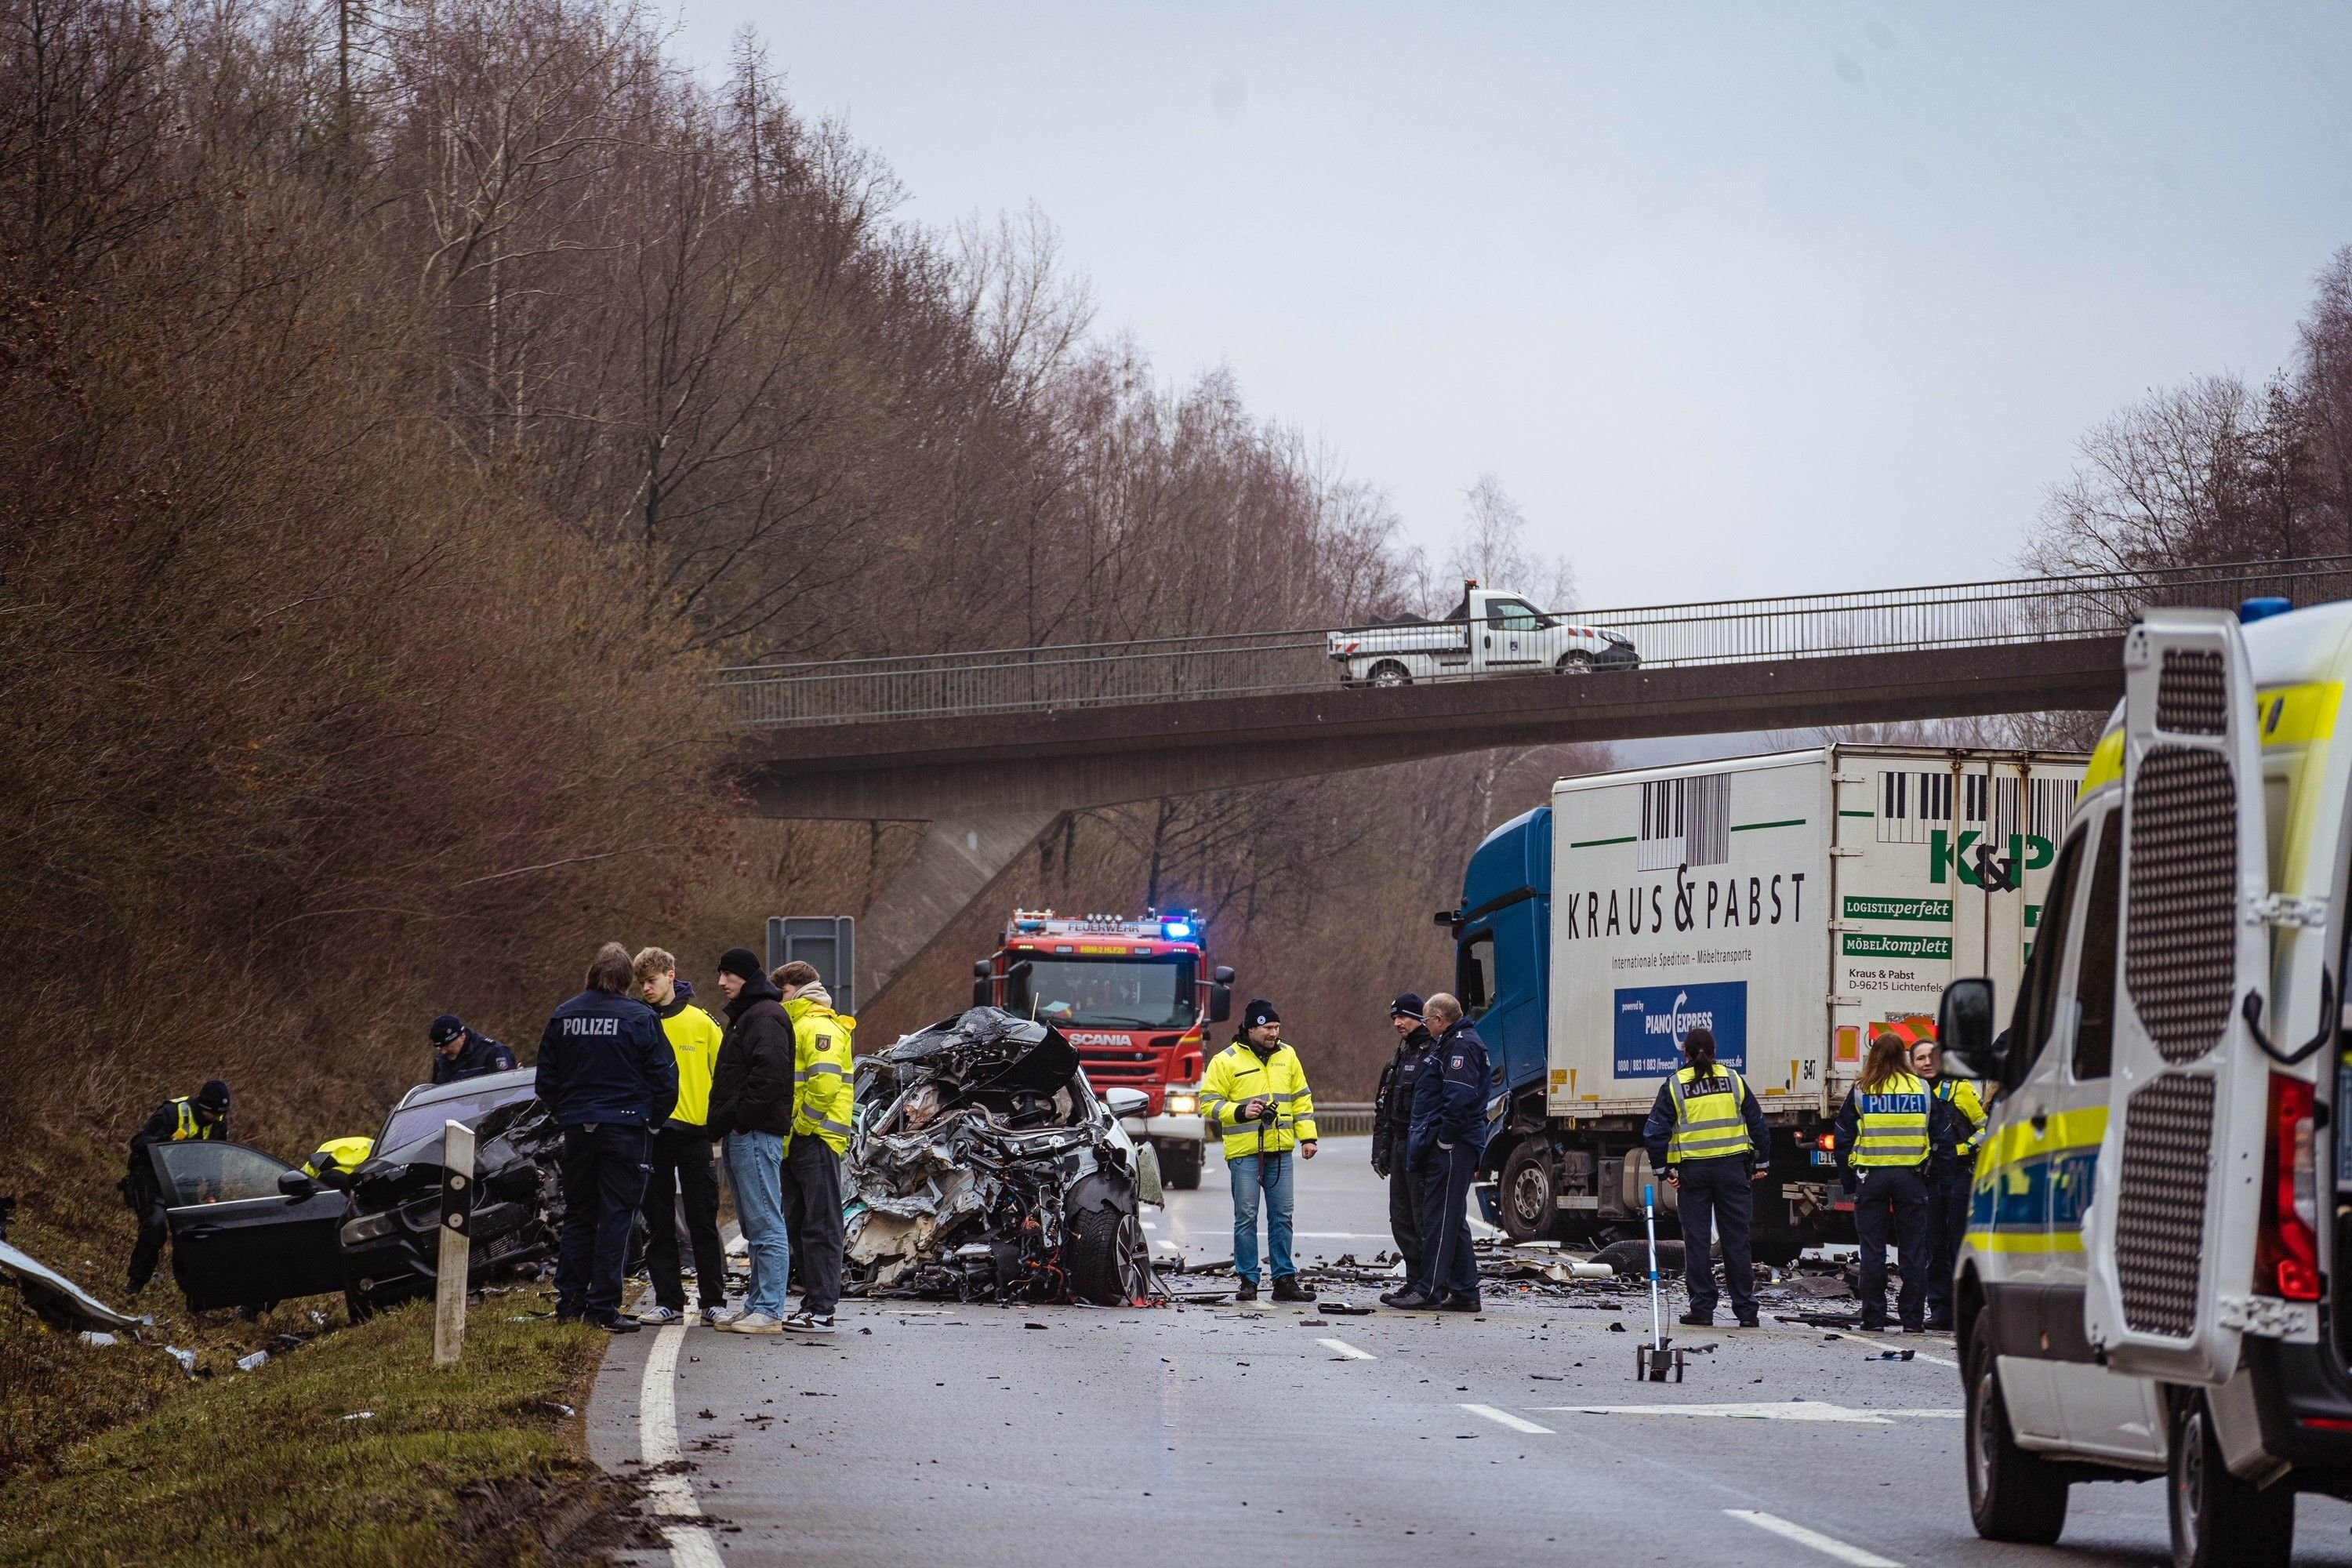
[
  {"x": 821, "y": 1068},
  {"x": 694, "y": 1037},
  {"x": 344, "y": 1155},
  {"x": 189, "y": 1127},
  {"x": 1891, "y": 1123},
  {"x": 1236, "y": 1076},
  {"x": 1961, "y": 1096},
  {"x": 1708, "y": 1121}
]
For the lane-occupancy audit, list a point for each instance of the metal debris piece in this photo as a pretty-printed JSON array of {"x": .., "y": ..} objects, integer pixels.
[{"x": 53, "y": 1299}]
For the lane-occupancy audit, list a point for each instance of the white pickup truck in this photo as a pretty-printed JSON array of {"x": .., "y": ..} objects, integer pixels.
[{"x": 1489, "y": 633}]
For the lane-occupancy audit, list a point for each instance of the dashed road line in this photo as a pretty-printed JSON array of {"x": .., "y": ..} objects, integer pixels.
[
  {"x": 1504, "y": 1418},
  {"x": 692, "y": 1545},
  {"x": 1347, "y": 1351},
  {"x": 1827, "y": 1545}
]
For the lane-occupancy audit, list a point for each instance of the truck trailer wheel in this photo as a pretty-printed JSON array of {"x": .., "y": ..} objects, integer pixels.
[
  {"x": 1530, "y": 1193},
  {"x": 1180, "y": 1165},
  {"x": 2013, "y": 1495},
  {"x": 2218, "y": 1518},
  {"x": 1389, "y": 672}
]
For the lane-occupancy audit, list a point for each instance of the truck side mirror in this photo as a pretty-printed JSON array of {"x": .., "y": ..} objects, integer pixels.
[
  {"x": 1223, "y": 974},
  {"x": 1964, "y": 1029},
  {"x": 1221, "y": 1001},
  {"x": 982, "y": 969}
]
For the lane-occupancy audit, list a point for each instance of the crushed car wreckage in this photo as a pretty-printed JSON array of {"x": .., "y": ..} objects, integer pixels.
[{"x": 983, "y": 1166}]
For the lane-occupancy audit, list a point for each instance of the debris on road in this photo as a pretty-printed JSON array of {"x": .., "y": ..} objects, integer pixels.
[
  {"x": 253, "y": 1362},
  {"x": 56, "y": 1300},
  {"x": 982, "y": 1167}
]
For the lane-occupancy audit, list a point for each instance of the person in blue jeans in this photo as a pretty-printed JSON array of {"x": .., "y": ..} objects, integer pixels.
[
  {"x": 609, "y": 1078},
  {"x": 752, "y": 1104},
  {"x": 1257, "y": 1091}
]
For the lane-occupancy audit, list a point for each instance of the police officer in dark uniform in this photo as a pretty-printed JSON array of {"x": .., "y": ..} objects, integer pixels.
[
  {"x": 1951, "y": 1171},
  {"x": 609, "y": 1078},
  {"x": 460, "y": 1052},
  {"x": 1392, "y": 1130},
  {"x": 203, "y": 1117},
  {"x": 1706, "y": 1134},
  {"x": 1443, "y": 1146}
]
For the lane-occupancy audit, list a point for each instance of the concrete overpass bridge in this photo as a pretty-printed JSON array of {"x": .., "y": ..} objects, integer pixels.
[{"x": 991, "y": 746}]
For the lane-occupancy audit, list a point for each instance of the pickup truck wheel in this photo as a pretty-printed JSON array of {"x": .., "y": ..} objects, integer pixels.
[
  {"x": 1389, "y": 672},
  {"x": 2013, "y": 1495},
  {"x": 1180, "y": 1165},
  {"x": 1529, "y": 1194},
  {"x": 1574, "y": 664},
  {"x": 1107, "y": 1257},
  {"x": 2216, "y": 1517}
]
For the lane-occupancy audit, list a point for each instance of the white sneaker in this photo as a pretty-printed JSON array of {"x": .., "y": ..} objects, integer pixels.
[
  {"x": 809, "y": 1323},
  {"x": 659, "y": 1317},
  {"x": 714, "y": 1316},
  {"x": 751, "y": 1324}
]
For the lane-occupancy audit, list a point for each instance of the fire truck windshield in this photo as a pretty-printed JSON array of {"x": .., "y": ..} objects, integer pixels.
[{"x": 1119, "y": 993}]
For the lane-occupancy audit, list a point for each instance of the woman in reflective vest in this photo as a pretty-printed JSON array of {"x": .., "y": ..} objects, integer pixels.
[
  {"x": 1706, "y": 1132},
  {"x": 1885, "y": 1133}
]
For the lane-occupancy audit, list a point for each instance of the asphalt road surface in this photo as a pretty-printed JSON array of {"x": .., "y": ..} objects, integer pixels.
[{"x": 942, "y": 1435}]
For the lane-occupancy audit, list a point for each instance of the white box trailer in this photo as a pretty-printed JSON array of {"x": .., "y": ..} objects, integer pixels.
[{"x": 1788, "y": 902}]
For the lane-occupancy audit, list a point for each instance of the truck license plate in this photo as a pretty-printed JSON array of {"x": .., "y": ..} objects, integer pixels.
[{"x": 1824, "y": 1157}]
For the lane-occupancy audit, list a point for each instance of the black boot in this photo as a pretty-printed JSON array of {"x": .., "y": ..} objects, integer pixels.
[
  {"x": 1248, "y": 1291},
  {"x": 1287, "y": 1289}
]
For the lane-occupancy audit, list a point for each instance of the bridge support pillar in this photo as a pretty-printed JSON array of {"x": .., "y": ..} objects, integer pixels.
[{"x": 959, "y": 860}]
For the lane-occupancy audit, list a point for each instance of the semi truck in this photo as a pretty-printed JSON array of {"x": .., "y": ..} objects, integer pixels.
[
  {"x": 1490, "y": 632},
  {"x": 1795, "y": 904},
  {"x": 2163, "y": 1197},
  {"x": 1135, "y": 999}
]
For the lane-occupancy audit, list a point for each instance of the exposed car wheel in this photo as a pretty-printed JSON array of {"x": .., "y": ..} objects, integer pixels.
[
  {"x": 1577, "y": 663},
  {"x": 2217, "y": 1518},
  {"x": 357, "y": 1309},
  {"x": 1529, "y": 1194},
  {"x": 1389, "y": 672},
  {"x": 1107, "y": 1262},
  {"x": 1180, "y": 1165},
  {"x": 2013, "y": 1495}
]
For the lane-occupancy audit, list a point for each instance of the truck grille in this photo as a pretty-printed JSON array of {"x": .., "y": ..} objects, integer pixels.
[
  {"x": 2181, "y": 933},
  {"x": 2160, "y": 1203},
  {"x": 1111, "y": 1067},
  {"x": 2192, "y": 694}
]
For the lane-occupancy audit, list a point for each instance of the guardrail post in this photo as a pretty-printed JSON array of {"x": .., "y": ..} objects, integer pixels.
[{"x": 457, "y": 1243}]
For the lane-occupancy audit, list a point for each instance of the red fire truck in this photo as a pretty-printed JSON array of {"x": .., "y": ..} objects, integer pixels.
[{"x": 1132, "y": 996}]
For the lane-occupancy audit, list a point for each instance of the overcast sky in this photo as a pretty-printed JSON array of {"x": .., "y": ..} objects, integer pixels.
[{"x": 1734, "y": 301}]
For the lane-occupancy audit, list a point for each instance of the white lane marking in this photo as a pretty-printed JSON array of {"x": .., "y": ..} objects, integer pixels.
[
  {"x": 1346, "y": 1349},
  {"x": 1506, "y": 1418},
  {"x": 1761, "y": 1410},
  {"x": 690, "y": 1545},
  {"x": 1827, "y": 1545},
  {"x": 1934, "y": 1415},
  {"x": 1337, "y": 1235}
]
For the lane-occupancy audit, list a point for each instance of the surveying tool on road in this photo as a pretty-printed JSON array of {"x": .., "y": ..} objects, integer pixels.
[{"x": 1653, "y": 1359}]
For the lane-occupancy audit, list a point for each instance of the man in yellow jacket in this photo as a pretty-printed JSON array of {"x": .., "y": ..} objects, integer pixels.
[
  {"x": 1256, "y": 1089},
  {"x": 682, "y": 1169},
  {"x": 821, "y": 1097}
]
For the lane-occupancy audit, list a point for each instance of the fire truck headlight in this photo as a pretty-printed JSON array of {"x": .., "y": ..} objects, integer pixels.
[{"x": 1183, "y": 1102}]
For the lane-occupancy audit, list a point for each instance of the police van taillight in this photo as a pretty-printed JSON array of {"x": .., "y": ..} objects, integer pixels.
[{"x": 2286, "y": 1249}]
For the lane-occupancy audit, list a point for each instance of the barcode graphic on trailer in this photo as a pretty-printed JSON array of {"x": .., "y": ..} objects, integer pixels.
[
  {"x": 1685, "y": 822},
  {"x": 1912, "y": 803}
]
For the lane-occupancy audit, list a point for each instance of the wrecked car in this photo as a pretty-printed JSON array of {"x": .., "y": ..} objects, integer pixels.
[
  {"x": 983, "y": 1166},
  {"x": 248, "y": 1230}
]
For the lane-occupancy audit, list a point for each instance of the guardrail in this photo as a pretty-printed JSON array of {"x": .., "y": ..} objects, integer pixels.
[{"x": 1242, "y": 664}]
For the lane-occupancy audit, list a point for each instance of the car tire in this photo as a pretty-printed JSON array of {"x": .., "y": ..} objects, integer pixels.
[
  {"x": 357, "y": 1309},
  {"x": 1107, "y": 1261},
  {"x": 1573, "y": 663},
  {"x": 1180, "y": 1165},
  {"x": 1389, "y": 673},
  {"x": 1529, "y": 1194},
  {"x": 2217, "y": 1518},
  {"x": 2014, "y": 1494}
]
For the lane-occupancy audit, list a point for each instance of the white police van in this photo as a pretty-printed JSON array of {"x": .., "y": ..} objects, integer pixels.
[{"x": 2146, "y": 1286}]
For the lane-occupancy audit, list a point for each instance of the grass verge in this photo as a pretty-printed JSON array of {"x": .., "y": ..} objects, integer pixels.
[{"x": 479, "y": 1464}]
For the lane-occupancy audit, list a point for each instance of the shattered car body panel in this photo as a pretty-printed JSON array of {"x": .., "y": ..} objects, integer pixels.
[
  {"x": 56, "y": 1300},
  {"x": 391, "y": 1244},
  {"x": 983, "y": 1166}
]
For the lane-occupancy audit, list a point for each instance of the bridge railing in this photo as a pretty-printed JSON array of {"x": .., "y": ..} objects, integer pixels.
[{"x": 1241, "y": 664}]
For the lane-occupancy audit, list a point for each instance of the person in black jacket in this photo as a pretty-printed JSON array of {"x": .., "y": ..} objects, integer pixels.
[
  {"x": 459, "y": 1052},
  {"x": 1392, "y": 1128},
  {"x": 1443, "y": 1148},
  {"x": 608, "y": 1078},
  {"x": 1706, "y": 1134},
  {"x": 201, "y": 1116},
  {"x": 751, "y": 1107}
]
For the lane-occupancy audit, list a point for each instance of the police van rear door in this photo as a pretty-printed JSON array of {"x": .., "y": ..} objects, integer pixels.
[{"x": 2170, "y": 1232}]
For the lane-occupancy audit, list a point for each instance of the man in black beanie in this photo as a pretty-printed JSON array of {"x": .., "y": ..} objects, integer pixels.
[
  {"x": 1256, "y": 1089},
  {"x": 461, "y": 1051},
  {"x": 202, "y": 1117}
]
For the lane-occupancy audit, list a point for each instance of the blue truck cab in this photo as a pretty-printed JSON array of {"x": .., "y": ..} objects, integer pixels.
[{"x": 1502, "y": 965}]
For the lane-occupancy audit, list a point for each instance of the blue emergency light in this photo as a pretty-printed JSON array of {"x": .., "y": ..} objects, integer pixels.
[{"x": 1176, "y": 929}]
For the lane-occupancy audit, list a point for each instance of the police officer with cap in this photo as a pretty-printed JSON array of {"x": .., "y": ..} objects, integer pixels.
[
  {"x": 202, "y": 1117},
  {"x": 1443, "y": 1146},
  {"x": 459, "y": 1052},
  {"x": 1706, "y": 1134},
  {"x": 1392, "y": 1130}
]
